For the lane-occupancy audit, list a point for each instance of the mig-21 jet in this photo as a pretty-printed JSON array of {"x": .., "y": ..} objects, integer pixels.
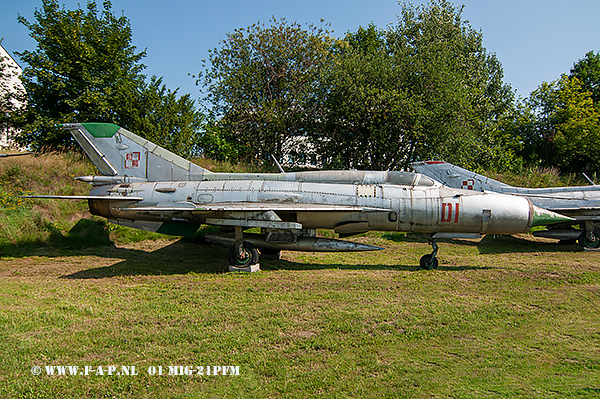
[
  {"x": 581, "y": 202},
  {"x": 147, "y": 187}
]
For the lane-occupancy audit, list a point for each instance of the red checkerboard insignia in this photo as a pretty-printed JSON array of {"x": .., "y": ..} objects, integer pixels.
[
  {"x": 132, "y": 160},
  {"x": 468, "y": 184}
]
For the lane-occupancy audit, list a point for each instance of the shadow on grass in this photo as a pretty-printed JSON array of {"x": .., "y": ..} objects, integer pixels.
[
  {"x": 85, "y": 234},
  {"x": 194, "y": 256},
  {"x": 513, "y": 244},
  {"x": 290, "y": 265},
  {"x": 191, "y": 256},
  {"x": 91, "y": 238},
  {"x": 180, "y": 257},
  {"x": 491, "y": 244}
]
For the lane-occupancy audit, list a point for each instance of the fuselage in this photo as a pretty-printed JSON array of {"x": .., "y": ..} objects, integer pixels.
[{"x": 428, "y": 208}]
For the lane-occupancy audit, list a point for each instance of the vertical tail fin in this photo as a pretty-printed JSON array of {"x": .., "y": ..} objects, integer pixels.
[
  {"x": 118, "y": 152},
  {"x": 457, "y": 177}
]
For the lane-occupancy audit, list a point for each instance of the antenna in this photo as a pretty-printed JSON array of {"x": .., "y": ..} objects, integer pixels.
[
  {"x": 277, "y": 163},
  {"x": 588, "y": 179}
]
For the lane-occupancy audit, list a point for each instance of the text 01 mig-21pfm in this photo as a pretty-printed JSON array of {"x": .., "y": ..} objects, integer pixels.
[{"x": 147, "y": 187}]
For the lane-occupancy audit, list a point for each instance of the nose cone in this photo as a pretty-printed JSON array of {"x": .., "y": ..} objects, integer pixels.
[{"x": 544, "y": 217}]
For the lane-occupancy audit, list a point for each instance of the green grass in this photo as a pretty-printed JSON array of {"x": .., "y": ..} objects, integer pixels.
[
  {"x": 508, "y": 317},
  {"x": 26, "y": 224},
  {"x": 511, "y": 317}
]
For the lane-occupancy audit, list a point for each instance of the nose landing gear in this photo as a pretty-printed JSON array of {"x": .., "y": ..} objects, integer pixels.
[{"x": 430, "y": 261}]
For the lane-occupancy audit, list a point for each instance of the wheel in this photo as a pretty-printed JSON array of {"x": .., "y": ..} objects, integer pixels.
[
  {"x": 428, "y": 262},
  {"x": 585, "y": 241},
  {"x": 248, "y": 257}
]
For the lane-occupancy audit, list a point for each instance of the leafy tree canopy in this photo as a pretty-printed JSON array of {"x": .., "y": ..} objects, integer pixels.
[
  {"x": 377, "y": 99},
  {"x": 261, "y": 85},
  {"x": 85, "y": 69},
  {"x": 562, "y": 126},
  {"x": 424, "y": 88},
  {"x": 587, "y": 70}
]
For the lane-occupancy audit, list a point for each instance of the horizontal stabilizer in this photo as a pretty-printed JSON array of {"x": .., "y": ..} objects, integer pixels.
[
  {"x": 18, "y": 154},
  {"x": 102, "y": 180}
]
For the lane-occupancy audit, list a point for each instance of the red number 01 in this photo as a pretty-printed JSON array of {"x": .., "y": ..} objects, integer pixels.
[{"x": 447, "y": 212}]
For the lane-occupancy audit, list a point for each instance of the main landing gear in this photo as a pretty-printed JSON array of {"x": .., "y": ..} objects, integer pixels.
[
  {"x": 590, "y": 236},
  {"x": 242, "y": 254},
  {"x": 589, "y": 239},
  {"x": 430, "y": 261}
]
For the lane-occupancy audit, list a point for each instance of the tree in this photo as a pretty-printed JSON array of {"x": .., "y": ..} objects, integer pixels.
[
  {"x": 368, "y": 116},
  {"x": 587, "y": 70},
  {"x": 421, "y": 89},
  {"x": 558, "y": 125},
  {"x": 166, "y": 119},
  {"x": 565, "y": 132},
  {"x": 261, "y": 85},
  {"x": 380, "y": 98},
  {"x": 84, "y": 69},
  {"x": 577, "y": 138},
  {"x": 457, "y": 82}
]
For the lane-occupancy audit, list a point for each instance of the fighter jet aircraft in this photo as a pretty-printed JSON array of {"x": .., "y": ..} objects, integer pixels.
[
  {"x": 147, "y": 187},
  {"x": 581, "y": 203}
]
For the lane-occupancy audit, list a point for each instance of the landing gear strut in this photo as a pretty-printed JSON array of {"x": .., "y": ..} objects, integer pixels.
[
  {"x": 430, "y": 261},
  {"x": 242, "y": 254}
]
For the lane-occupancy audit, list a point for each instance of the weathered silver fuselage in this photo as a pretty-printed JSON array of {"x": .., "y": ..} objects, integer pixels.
[{"x": 347, "y": 208}]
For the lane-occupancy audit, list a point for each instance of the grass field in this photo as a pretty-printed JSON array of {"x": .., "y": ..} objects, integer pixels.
[{"x": 506, "y": 317}]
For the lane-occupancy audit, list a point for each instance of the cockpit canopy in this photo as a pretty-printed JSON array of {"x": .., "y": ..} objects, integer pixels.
[{"x": 365, "y": 177}]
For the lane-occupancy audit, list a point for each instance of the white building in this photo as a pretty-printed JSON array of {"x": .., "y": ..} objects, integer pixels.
[{"x": 10, "y": 86}]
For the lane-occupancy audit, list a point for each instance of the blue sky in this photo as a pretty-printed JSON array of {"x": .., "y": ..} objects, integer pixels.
[{"x": 535, "y": 40}]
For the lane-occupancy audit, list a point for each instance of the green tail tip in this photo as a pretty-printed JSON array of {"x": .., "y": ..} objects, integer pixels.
[{"x": 544, "y": 217}]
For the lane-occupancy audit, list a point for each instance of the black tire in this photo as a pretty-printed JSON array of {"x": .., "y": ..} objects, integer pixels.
[
  {"x": 249, "y": 258},
  {"x": 585, "y": 241},
  {"x": 428, "y": 262}
]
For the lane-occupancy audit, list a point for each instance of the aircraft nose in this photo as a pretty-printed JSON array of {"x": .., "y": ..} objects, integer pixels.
[{"x": 544, "y": 217}]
